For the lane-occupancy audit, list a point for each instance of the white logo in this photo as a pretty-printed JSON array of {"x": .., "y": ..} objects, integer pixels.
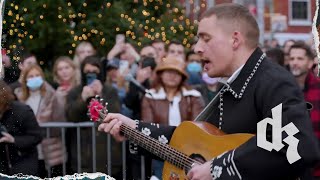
[
  {"x": 217, "y": 171},
  {"x": 146, "y": 131},
  {"x": 276, "y": 144}
]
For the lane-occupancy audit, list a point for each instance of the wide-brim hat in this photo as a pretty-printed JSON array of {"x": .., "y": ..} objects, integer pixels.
[{"x": 172, "y": 63}]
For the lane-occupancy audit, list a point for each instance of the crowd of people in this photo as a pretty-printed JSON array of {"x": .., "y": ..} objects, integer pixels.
[{"x": 179, "y": 89}]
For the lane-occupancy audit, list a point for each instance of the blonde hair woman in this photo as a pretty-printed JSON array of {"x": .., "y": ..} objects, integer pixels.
[{"x": 64, "y": 72}]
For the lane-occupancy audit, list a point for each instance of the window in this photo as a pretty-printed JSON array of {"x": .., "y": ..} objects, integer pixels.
[{"x": 300, "y": 13}]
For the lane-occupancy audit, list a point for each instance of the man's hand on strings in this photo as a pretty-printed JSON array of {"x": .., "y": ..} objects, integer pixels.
[
  {"x": 112, "y": 122},
  {"x": 200, "y": 172}
]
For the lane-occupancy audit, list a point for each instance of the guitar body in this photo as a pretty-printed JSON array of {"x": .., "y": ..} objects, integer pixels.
[
  {"x": 191, "y": 140},
  {"x": 200, "y": 139}
]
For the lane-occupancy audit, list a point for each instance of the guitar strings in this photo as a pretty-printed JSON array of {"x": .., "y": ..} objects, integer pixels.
[
  {"x": 187, "y": 164},
  {"x": 178, "y": 162},
  {"x": 171, "y": 150},
  {"x": 183, "y": 163}
]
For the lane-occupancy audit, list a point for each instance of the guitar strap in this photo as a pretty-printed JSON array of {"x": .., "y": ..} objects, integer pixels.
[{"x": 208, "y": 110}]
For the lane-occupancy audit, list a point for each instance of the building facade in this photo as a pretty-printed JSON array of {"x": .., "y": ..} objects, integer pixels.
[{"x": 280, "y": 19}]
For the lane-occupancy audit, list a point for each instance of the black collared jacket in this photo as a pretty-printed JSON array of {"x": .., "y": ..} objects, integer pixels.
[{"x": 270, "y": 86}]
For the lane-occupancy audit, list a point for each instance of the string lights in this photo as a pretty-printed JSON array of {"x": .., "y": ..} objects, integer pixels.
[{"x": 156, "y": 19}]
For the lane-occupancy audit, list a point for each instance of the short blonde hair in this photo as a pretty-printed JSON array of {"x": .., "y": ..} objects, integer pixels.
[{"x": 81, "y": 46}]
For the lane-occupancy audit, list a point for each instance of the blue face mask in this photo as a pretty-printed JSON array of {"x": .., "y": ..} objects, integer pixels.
[
  {"x": 34, "y": 83},
  {"x": 90, "y": 77},
  {"x": 194, "y": 67}
]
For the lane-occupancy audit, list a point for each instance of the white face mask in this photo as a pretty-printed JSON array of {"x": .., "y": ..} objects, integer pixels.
[{"x": 34, "y": 83}]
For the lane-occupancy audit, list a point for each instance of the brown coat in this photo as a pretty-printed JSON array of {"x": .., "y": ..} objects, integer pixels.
[
  {"x": 52, "y": 148},
  {"x": 155, "y": 108},
  {"x": 44, "y": 113},
  {"x": 58, "y": 105}
]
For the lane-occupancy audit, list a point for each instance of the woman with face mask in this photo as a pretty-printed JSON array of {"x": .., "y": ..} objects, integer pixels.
[
  {"x": 38, "y": 94},
  {"x": 194, "y": 68},
  {"x": 209, "y": 88},
  {"x": 76, "y": 111}
]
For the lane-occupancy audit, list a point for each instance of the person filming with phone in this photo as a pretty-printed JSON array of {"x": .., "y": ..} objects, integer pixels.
[
  {"x": 126, "y": 54},
  {"x": 76, "y": 111}
]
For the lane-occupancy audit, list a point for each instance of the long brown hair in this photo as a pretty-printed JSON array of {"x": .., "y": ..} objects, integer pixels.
[
  {"x": 6, "y": 95},
  {"x": 69, "y": 61},
  {"x": 25, "y": 90},
  {"x": 157, "y": 84}
]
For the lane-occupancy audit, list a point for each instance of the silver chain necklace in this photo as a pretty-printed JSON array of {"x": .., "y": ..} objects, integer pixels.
[{"x": 237, "y": 96}]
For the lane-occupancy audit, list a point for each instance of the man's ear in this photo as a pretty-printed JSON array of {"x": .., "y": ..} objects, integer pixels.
[{"x": 237, "y": 39}]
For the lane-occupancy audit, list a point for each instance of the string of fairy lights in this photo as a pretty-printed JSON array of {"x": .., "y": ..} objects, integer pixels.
[{"x": 180, "y": 24}]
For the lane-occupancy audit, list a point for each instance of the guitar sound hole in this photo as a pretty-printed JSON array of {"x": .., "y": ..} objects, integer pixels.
[{"x": 197, "y": 157}]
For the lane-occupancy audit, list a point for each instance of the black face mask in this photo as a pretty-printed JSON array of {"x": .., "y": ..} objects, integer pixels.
[{"x": 90, "y": 77}]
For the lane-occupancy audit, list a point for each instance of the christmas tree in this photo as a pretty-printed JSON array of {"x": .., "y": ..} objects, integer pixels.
[{"x": 53, "y": 28}]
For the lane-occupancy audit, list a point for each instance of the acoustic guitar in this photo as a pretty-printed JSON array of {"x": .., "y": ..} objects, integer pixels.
[{"x": 191, "y": 143}]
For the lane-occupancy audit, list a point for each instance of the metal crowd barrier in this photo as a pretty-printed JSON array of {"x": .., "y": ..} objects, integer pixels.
[{"x": 63, "y": 125}]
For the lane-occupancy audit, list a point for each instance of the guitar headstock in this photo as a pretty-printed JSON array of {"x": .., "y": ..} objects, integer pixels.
[{"x": 96, "y": 109}]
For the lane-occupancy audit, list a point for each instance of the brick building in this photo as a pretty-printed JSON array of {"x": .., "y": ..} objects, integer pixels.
[{"x": 280, "y": 19}]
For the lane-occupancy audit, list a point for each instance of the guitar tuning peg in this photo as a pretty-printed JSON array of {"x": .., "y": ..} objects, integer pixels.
[
  {"x": 101, "y": 100},
  {"x": 106, "y": 104},
  {"x": 97, "y": 97}
]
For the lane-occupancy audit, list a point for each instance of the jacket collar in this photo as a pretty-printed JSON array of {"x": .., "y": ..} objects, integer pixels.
[
  {"x": 161, "y": 94},
  {"x": 247, "y": 69}
]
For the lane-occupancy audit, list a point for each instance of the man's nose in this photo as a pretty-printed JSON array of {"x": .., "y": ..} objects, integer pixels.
[{"x": 198, "y": 48}]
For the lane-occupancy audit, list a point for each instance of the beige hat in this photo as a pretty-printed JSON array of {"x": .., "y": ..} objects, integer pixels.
[{"x": 172, "y": 63}]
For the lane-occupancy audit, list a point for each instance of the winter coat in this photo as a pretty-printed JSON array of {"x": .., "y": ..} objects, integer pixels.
[
  {"x": 20, "y": 121},
  {"x": 269, "y": 86},
  {"x": 155, "y": 107},
  {"x": 76, "y": 111}
]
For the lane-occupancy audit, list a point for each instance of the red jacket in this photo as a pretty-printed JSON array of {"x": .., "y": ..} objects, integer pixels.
[{"x": 312, "y": 95}]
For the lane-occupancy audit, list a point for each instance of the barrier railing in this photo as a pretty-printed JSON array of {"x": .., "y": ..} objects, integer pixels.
[{"x": 64, "y": 125}]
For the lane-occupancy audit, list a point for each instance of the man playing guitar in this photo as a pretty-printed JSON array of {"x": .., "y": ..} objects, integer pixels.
[{"x": 253, "y": 85}]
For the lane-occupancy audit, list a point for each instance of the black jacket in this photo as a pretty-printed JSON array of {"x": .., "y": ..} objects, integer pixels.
[
  {"x": 76, "y": 111},
  {"x": 21, "y": 123},
  {"x": 134, "y": 97},
  {"x": 270, "y": 86}
]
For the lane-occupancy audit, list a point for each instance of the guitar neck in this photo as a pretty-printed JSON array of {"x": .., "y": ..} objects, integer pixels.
[
  {"x": 154, "y": 146},
  {"x": 157, "y": 148}
]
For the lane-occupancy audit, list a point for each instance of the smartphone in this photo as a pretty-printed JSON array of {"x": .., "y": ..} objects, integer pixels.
[
  {"x": 123, "y": 65},
  {"x": 91, "y": 77},
  {"x": 120, "y": 38}
]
